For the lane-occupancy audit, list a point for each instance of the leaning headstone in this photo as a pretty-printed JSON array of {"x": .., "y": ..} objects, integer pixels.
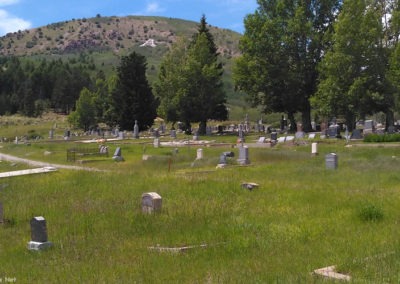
[
  {"x": 243, "y": 155},
  {"x": 136, "y": 130},
  {"x": 39, "y": 239},
  {"x": 151, "y": 202},
  {"x": 331, "y": 161},
  {"x": 118, "y": 155},
  {"x": 199, "y": 154}
]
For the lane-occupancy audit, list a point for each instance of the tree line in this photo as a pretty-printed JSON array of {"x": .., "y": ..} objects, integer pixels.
[{"x": 327, "y": 58}]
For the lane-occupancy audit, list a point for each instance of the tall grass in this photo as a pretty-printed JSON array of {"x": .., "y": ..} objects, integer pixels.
[{"x": 302, "y": 217}]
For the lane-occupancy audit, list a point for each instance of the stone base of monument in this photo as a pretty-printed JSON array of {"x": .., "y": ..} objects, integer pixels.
[
  {"x": 243, "y": 162},
  {"x": 39, "y": 245}
]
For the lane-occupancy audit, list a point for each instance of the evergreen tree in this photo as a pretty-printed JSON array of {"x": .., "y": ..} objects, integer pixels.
[
  {"x": 132, "y": 97},
  {"x": 85, "y": 114},
  {"x": 190, "y": 82}
]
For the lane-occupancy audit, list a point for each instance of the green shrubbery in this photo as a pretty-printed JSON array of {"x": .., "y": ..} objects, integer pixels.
[{"x": 382, "y": 138}]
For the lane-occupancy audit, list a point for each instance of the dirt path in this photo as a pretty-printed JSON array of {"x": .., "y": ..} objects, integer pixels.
[{"x": 11, "y": 158}]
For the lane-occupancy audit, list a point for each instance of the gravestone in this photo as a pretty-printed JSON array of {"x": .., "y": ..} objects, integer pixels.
[
  {"x": 38, "y": 234},
  {"x": 314, "y": 149},
  {"x": 274, "y": 136},
  {"x": 243, "y": 155},
  {"x": 16, "y": 140},
  {"x": 156, "y": 142},
  {"x": 331, "y": 161},
  {"x": 151, "y": 202},
  {"x": 118, "y": 155},
  {"x": 120, "y": 135},
  {"x": 208, "y": 130},
  {"x": 136, "y": 130},
  {"x": 51, "y": 133},
  {"x": 356, "y": 134},
  {"x": 391, "y": 129},
  {"x": 173, "y": 133},
  {"x": 222, "y": 159},
  {"x": 199, "y": 154},
  {"x": 369, "y": 127},
  {"x": 67, "y": 134}
]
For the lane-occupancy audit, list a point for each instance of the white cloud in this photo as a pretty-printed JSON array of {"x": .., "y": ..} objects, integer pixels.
[
  {"x": 10, "y": 23},
  {"x": 153, "y": 8},
  {"x": 8, "y": 2}
]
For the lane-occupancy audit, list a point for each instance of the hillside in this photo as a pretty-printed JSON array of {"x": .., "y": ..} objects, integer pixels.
[{"x": 114, "y": 34}]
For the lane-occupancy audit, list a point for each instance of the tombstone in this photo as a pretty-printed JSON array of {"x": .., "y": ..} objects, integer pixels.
[
  {"x": 136, "y": 130},
  {"x": 162, "y": 128},
  {"x": 243, "y": 155},
  {"x": 67, "y": 134},
  {"x": 300, "y": 135},
  {"x": 222, "y": 159},
  {"x": 199, "y": 154},
  {"x": 369, "y": 127},
  {"x": 311, "y": 136},
  {"x": 156, "y": 142},
  {"x": 334, "y": 131},
  {"x": 51, "y": 133},
  {"x": 173, "y": 133},
  {"x": 208, "y": 130},
  {"x": 16, "y": 140},
  {"x": 121, "y": 135},
  {"x": 196, "y": 136},
  {"x": 391, "y": 129},
  {"x": 151, "y": 202},
  {"x": 1, "y": 213},
  {"x": 261, "y": 140},
  {"x": 274, "y": 136},
  {"x": 331, "y": 161},
  {"x": 314, "y": 149},
  {"x": 118, "y": 155},
  {"x": 356, "y": 134},
  {"x": 38, "y": 234}
]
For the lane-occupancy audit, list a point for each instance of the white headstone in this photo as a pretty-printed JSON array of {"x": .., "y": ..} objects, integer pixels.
[
  {"x": 314, "y": 149},
  {"x": 156, "y": 142},
  {"x": 199, "y": 154},
  {"x": 151, "y": 202}
]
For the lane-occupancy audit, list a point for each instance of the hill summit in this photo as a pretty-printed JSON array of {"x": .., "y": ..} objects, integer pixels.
[{"x": 113, "y": 34}]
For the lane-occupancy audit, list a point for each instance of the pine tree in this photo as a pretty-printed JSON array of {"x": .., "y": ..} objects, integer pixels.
[{"x": 132, "y": 97}]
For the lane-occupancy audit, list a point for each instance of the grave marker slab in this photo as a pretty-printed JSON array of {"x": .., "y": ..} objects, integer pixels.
[
  {"x": 38, "y": 234},
  {"x": 331, "y": 161},
  {"x": 151, "y": 202},
  {"x": 199, "y": 154},
  {"x": 243, "y": 155}
]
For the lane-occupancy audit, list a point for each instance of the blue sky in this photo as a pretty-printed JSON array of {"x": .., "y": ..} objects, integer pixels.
[{"x": 24, "y": 14}]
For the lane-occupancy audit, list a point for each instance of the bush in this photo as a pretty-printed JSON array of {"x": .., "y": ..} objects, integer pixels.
[
  {"x": 371, "y": 212},
  {"x": 382, "y": 138}
]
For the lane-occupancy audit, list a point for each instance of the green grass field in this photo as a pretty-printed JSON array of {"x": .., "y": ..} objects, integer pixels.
[{"x": 301, "y": 218}]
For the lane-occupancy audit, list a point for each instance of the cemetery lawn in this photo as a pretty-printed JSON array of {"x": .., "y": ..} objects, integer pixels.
[{"x": 301, "y": 217}]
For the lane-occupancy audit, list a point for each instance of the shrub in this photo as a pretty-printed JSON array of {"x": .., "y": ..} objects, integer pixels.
[
  {"x": 382, "y": 138},
  {"x": 370, "y": 212}
]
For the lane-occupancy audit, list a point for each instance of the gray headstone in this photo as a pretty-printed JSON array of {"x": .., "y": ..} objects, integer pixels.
[
  {"x": 121, "y": 135},
  {"x": 369, "y": 127},
  {"x": 136, "y": 130},
  {"x": 243, "y": 155},
  {"x": 274, "y": 136},
  {"x": 173, "y": 133},
  {"x": 151, "y": 202},
  {"x": 333, "y": 131},
  {"x": 356, "y": 134},
  {"x": 38, "y": 229},
  {"x": 391, "y": 129},
  {"x": 117, "y": 152},
  {"x": 156, "y": 142},
  {"x": 331, "y": 161},
  {"x": 51, "y": 133},
  {"x": 222, "y": 159},
  {"x": 300, "y": 135}
]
